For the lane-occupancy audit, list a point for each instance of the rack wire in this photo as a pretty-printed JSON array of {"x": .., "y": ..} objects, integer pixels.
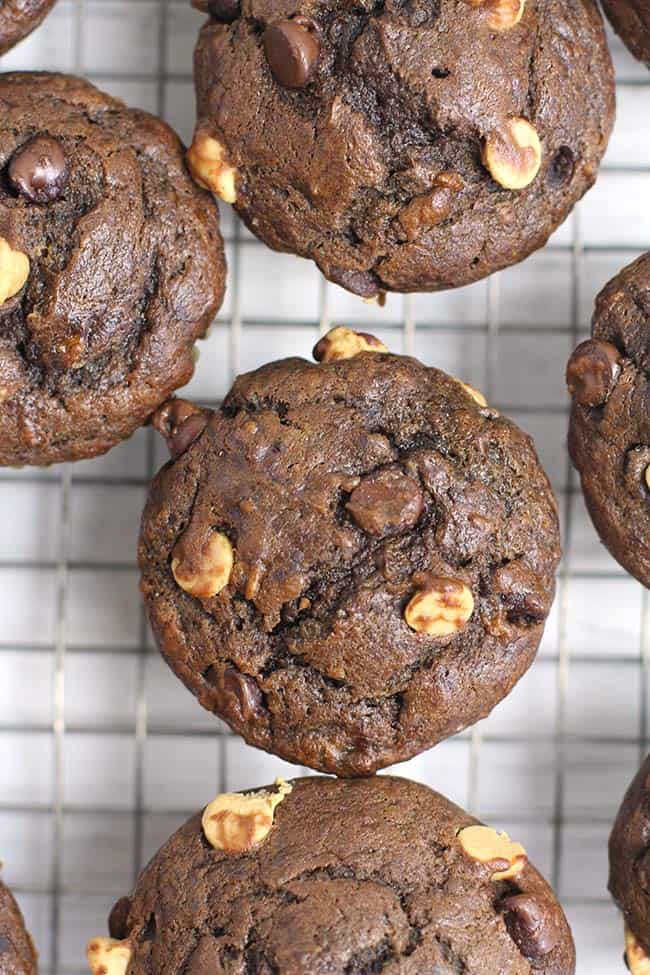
[{"x": 103, "y": 753}]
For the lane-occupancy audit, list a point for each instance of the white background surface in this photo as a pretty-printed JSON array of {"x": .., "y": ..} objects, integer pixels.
[{"x": 103, "y": 753}]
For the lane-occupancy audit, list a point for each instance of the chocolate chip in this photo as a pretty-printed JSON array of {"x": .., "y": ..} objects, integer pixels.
[
  {"x": 522, "y": 592},
  {"x": 531, "y": 924},
  {"x": 386, "y": 502},
  {"x": 187, "y": 433},
  {"x": 592, "y": 371},
  {"x": 5, "y": 945},
  {"x": 224, "y": 10},
  {"x": 118, "y": 926},
  {"x": 38, "y": 170},
  {"x": 243, "y": 692},
  {"x": 562, "y": 167},
  {"x": 291, "y": 50},
  {"x": 362, "y": 283},
  {"x": 180, "y": 423}
]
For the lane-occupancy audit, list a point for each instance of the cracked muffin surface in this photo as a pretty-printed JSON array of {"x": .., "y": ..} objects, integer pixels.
[
  {"x": 351, "y": 878},
  {"x": 403, "y": 145},
  {"x": 17, "y": 954},
  {"x": 111, "y": 266},
  {"x": 609, "y": 433},
  {"x": 18, "y": 18},
  {"x": 629, "y": 867},
  {"x": 350, "y": 561},
  {"x": 631, "y": 21}
]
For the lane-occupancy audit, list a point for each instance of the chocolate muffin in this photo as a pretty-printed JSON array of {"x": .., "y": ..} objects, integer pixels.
[
  {"x": 17, "y": 954},
  {"x": 629, "y": 869},
  {"x": 18, "y": 18},
  {"x": 405, "y": 145},
  {"x": 350, "y": 561},
  {"x": 344, "y": 878},
  {"x": 631, "y": 21},
  {"x": 609, "y": 434},
  {"x": 111, "y": 265}
]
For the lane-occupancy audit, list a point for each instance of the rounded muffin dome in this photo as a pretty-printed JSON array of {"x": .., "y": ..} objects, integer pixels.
[
  {"x": 350, "y": 560},
  {"x": 111, "y": 266},
  {"x": 403, "y": 145},
  {"x": 324, "y": 876}
]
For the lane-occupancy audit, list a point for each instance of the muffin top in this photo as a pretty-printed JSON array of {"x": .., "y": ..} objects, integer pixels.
[
  {"x": 609, "y": 435},
  {"x": 404, "y": 145},
  {"x": 352, "y": 560},
  {"x": 17, "y": 954},
  {"x": 631, "y": 20},
  {"x": 338, "y": 878},
  {"x": 18, "y": 18},
  {"x": 629, "y": 867},
  {"x": 111, "y": 265}
]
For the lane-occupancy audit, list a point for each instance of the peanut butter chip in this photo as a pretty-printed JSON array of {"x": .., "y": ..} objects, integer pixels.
[
  {"x": 205, "y": 573},
  {"x": 14, "y": 270},
  {"x": 475, "y": 394},
  {"x": 343, "y": 343},
  {"x": 206, "y": 161},
  {"x": 637, "y": 960},
  {"x": 513, "y": 154},
  {"x": 502, "y": 14},
  {"x": 107, "y": 956},
  {"x": 236, "y": 822},
  {"x": 443, "y": 607},
  {"x": 485, "y": 845},
  {"x": 647, "y": 477}
]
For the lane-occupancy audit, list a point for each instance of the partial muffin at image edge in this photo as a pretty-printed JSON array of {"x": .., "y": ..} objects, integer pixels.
[
  {"x": 402, "y": 146},
  {"x": 323, "y": 875},
  {"x": 351, "y": 560},
  {"x": 609, "y": 432},
  {"x": 17, "y": 953},
  {"x": 631, "y": 21},
  {"x": 629, "y": 869},
  {"x": 111, "y": 266},
  {"x": 18, "y": 18}
]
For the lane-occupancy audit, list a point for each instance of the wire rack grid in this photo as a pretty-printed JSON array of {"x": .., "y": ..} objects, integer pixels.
[{"x": 103, "y": 753}]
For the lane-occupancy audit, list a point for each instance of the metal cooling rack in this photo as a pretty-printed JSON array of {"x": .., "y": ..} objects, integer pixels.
[{"x": 103, "y": 753}]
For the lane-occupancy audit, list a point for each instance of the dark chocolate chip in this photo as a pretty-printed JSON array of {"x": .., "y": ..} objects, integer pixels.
[
  {"x": 243, "y": 692},
  {"x": 38, "y": 170},
  {"x": 532, "y": 925},
  {"x": 592, "y": 371},
  {"x": 187, "y": 433},
  {"x": 224, "y": 10},
  {"x": 118, "y": 926},
  {"x": 386, "y": 502},
  {"x": 5, "y": 945},
  {"x": 521, "y": 592},
  {"x": 562, "y": 167},
  {"x": 180, "y": 423},
  {"x": 362, "y": 283},
  {"x": 291, "y": 50}
]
